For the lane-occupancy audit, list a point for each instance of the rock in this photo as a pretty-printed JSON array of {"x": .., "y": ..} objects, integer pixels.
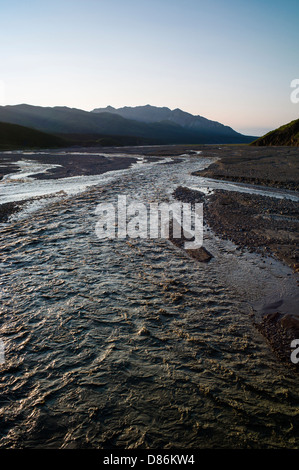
[
  {"x": 200, "y": 254},
  {"x": 188, "y": 195},
  {"x": 143, "y": 331}
]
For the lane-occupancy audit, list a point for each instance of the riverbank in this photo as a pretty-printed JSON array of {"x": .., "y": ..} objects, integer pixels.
[
  {"x": 266, "y": 225},
  {"x": 9, "y": 208},
  {"x": 275, "y": 167}
]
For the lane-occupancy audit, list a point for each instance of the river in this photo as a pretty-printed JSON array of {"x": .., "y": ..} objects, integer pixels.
[{"x": 131, "y": 343}]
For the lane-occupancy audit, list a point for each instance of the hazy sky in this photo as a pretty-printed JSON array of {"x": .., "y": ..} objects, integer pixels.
[{"x": 228, "y": 60}]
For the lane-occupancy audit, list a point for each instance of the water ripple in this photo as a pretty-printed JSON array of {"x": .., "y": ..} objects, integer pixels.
[{"x": 132, "y": 343}]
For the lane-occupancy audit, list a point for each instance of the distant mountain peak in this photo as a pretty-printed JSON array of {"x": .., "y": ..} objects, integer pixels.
[{"x": 153, "y": 114}]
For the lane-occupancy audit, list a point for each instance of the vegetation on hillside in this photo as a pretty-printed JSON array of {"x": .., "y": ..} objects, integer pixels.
[
  {"x": 284, "y": 135},
  {"x": 13, "y": 136}
]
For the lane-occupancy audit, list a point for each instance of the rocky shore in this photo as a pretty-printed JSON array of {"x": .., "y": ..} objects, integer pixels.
[
  {"x": 9, "y": 208},
  {"x": 280, "y": 330},
  {"x": 266, "y": 225},
  {"x": 275, "y": 167}
]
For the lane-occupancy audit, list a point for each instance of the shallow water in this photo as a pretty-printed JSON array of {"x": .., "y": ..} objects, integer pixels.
[
  {"x": 131, "y": 343},
  {"x": 212, "y": 184},
  {"x": 22, "y": 185}
]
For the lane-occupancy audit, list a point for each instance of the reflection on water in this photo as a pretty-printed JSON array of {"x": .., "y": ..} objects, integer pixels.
[{"x": 131, "y": 343}]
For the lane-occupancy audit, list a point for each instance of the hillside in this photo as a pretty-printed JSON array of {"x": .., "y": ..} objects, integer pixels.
[
  {"x": 284, "y": 135},
  {"x": 14, "y": 137},
  {"x": 71, "y": 121}
]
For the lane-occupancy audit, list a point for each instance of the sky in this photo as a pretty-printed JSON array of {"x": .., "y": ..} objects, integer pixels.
[{"x": 231, "y": 61}]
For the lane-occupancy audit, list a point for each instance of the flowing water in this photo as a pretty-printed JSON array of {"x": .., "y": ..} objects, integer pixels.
[{"x": 131, "y": 343}]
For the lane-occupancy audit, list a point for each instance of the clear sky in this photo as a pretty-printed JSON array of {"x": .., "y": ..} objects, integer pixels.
[{"x": 227, "y": 60}]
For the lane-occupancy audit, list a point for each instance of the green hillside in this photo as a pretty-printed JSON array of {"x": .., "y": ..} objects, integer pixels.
[
  {"x": 284, "y": 135},
  {"x": 13, "y": 136}
]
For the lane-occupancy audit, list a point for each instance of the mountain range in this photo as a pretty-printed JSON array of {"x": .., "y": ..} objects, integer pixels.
[
  {"x": 151, "y": 114},
  {"x": 140, "y": 125}
]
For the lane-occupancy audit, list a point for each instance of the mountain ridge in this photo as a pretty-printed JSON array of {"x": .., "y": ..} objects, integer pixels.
[
  {"x": 177, "y": 128},
  {"x": 150, "y": 114}
]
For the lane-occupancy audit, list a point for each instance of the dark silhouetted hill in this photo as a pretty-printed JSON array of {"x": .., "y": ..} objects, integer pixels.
[
  {"x": 13, "y": 136},
  {"x": 284, "y": 135}
]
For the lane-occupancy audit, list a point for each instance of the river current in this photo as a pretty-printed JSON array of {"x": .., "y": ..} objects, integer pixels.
[{"x": 132, "y": 343}]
